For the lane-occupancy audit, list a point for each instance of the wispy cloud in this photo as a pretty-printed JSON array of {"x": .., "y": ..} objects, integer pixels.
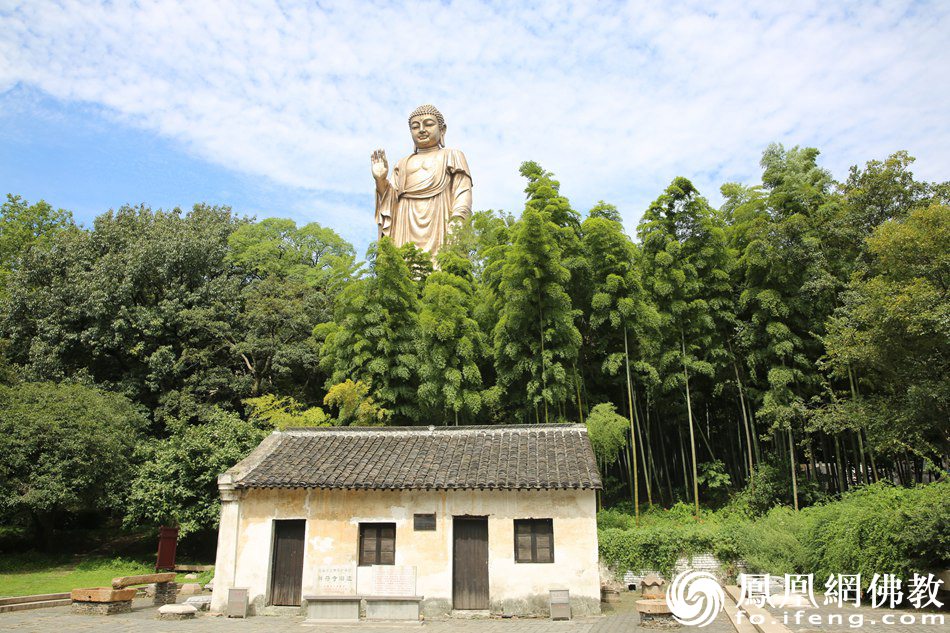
[{"x": 616, "y": 98}]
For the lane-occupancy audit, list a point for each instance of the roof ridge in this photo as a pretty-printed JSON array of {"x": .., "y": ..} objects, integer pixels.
[{"x": 371, "y": 430}]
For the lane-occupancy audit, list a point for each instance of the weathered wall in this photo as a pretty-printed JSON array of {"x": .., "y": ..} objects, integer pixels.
[{"x": 333, "y": 518}]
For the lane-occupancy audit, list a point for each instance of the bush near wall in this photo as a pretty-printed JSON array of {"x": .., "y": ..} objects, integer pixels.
[
  {"x": 664, "y": 536},
  {"x": 877, "y": 529}
]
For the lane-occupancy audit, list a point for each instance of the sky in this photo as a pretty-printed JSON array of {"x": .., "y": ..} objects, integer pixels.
[{"x": 274, "y": 108}]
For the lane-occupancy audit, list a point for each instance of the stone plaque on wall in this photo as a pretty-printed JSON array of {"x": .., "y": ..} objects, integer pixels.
[
  {"x": 394, "y": 580},
  {"x": 336, "y": 580}
]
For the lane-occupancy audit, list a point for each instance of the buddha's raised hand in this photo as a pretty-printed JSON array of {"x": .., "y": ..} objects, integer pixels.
[{"x": 380, "y": 165}]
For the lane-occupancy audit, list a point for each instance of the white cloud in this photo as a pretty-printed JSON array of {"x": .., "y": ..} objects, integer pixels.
[{"x": 616, "y": 99}]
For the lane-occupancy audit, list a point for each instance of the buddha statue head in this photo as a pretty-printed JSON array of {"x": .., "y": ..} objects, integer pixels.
[{"x": 427, "y": 126}]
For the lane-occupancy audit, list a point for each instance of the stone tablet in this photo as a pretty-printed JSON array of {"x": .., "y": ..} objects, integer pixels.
[
  {"x": 394, "y": 580},
  {"x": 337, "y": 580}
]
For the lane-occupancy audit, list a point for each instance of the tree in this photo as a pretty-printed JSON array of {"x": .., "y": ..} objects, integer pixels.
[
  {"x": 544, "y": 195},
  {"x": 374, "y": 336},
  {"x": 535, "y": 339},
  {"x": 892, "y": 329},
  {"x": 311, "y": 255},
  {"x": 177, "y": 480},
  {"x": 607, "y": 430},
  {"x": 605, "y": 211},
  {"x": 284, "y": 412},
  {"x": 451, "y": 342},
  {"x": 111, "y": 303},
  {"x": 23, "y": 226},
  {"x": 356, "y": 407},
  {"x": 64, "y": 448},
  {"x": 418, "y": 261},
  {"x": 787, "y": 288},
  {"x": 621, "y": 322},
  {"x": 686, "y": 265}
]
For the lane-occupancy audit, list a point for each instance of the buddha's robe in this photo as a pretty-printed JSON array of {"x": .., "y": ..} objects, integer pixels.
[{"x": 420, "y": 201}]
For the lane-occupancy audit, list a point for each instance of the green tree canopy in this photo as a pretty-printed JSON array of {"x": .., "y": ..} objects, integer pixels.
[
  {"x": 64, "y": 449},
  {"x": 451, "y": 342},
  {"x": 535, "y": 339},
  {"x": 176, "y": 482},
  {"x": 374, "y": 336}
]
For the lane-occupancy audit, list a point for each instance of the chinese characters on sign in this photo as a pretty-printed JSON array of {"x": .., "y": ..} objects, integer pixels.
[
  {"x": 885, "y": 590},
  {"x": 339, "y": 580}
]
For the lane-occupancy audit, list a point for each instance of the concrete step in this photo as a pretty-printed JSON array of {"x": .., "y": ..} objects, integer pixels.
[
  {"x": 40, "y": 597},
  {"x": 39, "y": 604},
  {"x": 765, "y": 621}
]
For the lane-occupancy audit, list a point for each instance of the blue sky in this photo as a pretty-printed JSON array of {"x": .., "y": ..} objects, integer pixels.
[{"x": 274, "y": 108}]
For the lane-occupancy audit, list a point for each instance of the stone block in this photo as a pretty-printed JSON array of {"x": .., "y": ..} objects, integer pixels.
[
  {"x": 165, "y": 593},
  {"x": 177, "y": 612},
  {"x": 332, "y": 608},
  {"x": 202, "y": 603},
  {"x": 393, "y": 608},
  {"x": 189, "y": 589},
  {"x": 102, "y": 608},
  {"x": 102, "y": 594}
]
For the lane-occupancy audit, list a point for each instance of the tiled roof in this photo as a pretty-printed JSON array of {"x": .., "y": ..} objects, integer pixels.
[{"x": 542, "y": 456}]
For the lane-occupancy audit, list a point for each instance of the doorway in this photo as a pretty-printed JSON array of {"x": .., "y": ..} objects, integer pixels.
[
  {"x": 287, "y": 562},
  {"x": 470, "y": 563}
]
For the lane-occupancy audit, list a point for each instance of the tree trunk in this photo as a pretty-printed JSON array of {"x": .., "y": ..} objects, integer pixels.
[
  {"x": 633, "y": 434},
  {"x": 791, "y": 456},
  {"x": 667, "y": 468},
  {"x": 647, "y": 466},
  {"x": 682, "y": 444},
  {"x": 577, "y": 385},
  {"x": 745, "y": 419},
  {"x": 42, "y": 530},
  {"x": 689, "y": 415}
]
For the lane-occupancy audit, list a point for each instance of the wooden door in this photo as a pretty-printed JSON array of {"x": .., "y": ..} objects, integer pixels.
[
  {"x": 287, "y": 563},
  {"x": 470, "y": 563}
]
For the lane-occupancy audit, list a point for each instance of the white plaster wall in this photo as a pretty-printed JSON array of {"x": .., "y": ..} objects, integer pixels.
[{"x": 333, "y": 518}]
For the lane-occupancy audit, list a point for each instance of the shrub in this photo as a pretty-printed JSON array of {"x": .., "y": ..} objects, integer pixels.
[
  {"x": 664, "y": 536},
  {"x": 878, "y": 529}
]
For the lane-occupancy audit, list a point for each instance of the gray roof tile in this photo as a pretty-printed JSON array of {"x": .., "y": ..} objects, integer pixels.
[{"x": 541, "y": 456}]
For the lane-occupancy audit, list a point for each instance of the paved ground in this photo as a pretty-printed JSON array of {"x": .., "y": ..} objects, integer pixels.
[{"x": 617, "y": 619}]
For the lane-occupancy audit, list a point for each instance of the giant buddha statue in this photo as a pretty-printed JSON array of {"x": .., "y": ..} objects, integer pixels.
[{"x": 429, "y": 190}]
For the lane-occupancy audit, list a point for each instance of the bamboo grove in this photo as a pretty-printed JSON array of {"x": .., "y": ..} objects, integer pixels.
[{"x": 797, "y": 337}]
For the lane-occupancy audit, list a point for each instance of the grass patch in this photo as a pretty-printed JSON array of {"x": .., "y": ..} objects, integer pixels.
[{"x": 32, "y": 573}]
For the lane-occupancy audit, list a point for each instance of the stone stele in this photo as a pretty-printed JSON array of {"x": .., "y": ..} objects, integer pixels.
[{"x": 429, "y": 190}]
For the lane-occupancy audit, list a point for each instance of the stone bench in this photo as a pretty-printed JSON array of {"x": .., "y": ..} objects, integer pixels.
[
  {"x": 347, "y": 608},
  {"x": 393, "y": 607},
  {"x": 102, "y": 600},
  {"x": 166, "y": 589},
  {"x": 333, "y": 608}
]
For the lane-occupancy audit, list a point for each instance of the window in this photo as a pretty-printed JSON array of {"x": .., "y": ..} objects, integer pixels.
[
  {"x": 377, "y": 543},
  {"x": 534, "y": 540},
  {"x": 424, "y": 522}
]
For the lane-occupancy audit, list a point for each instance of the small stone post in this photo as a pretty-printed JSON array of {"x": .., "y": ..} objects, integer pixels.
[{"x": 165, "y": 593}]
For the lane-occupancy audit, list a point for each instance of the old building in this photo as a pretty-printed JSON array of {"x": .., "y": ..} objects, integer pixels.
[{"x": 480, "y": 518}]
